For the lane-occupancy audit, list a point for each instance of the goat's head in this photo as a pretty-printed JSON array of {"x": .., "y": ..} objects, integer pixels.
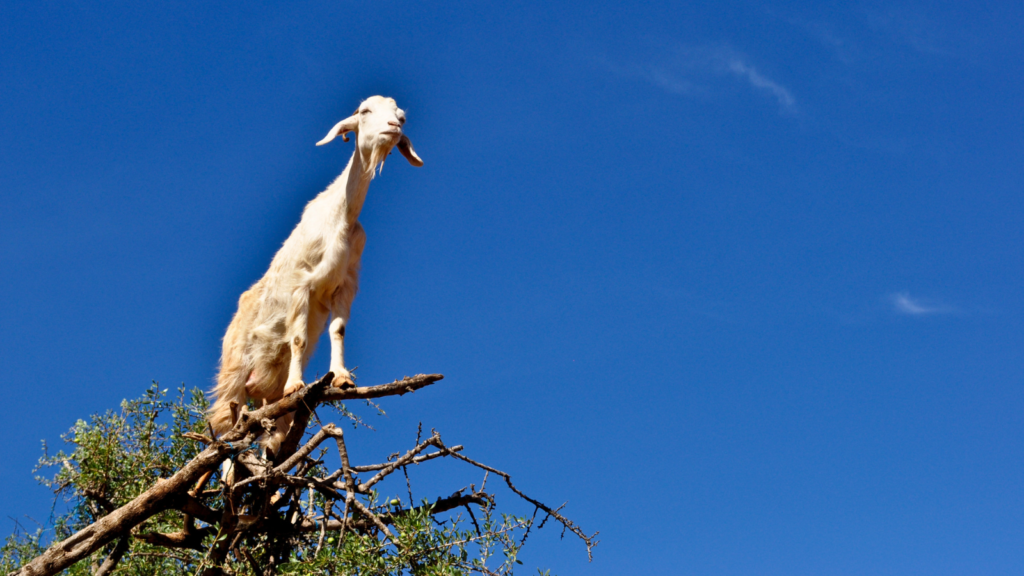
[{"x": 378, "y": 126}]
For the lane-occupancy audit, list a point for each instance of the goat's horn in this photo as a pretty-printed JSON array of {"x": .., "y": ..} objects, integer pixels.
[
  {"x": 347, "y": 125},
  {"x": 405, "y": 147}
]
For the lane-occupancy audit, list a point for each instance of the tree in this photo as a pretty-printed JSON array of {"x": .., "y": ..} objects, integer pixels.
[{"x": 144, "y": 498}]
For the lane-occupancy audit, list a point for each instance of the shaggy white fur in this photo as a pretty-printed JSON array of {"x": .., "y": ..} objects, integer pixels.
[{"x": 314, "y": 275}]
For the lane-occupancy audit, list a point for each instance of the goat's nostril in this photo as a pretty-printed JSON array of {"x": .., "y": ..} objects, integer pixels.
[{"x": 393, "y": 123}]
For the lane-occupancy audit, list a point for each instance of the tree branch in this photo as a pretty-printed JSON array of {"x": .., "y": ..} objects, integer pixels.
[
  {"x": 568, "y": 524},
  {"x": 440, "y": 505},
  {"x": 301, "y": 418},
  {"x": 416, "y": 460},
  {"x": 115, "y": 556},
  {"x": 92, "y": 537}
]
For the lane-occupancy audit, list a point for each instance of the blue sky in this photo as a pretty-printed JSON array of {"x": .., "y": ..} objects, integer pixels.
[{"x": 740, "y": 281}]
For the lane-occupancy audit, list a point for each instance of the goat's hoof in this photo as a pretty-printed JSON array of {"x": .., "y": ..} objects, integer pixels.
[
  {"x": 293, "y": 387},
  {"x": 343, "y": 379},
  {"x": 343, "y": 383}
]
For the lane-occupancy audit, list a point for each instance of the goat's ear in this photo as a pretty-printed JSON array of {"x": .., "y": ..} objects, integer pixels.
[
  {"x": 405, "y": 147},
  {"x": 347, "y": 125}
]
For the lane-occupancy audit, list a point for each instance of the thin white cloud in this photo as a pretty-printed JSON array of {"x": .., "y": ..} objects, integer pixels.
[
  {"x": 903, "y": 304},
  {"x": 692, "y": 71},
  {"x": 757, "y": 80},
  {"x": 670, "y": 82}
]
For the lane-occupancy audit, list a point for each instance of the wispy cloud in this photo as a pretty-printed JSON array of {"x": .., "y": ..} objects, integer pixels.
[
  {"x": 692, "y": 71},
  {"x": 759, "y": 81},
  {"x": 902, "y": 303},
  {"x": 670, "y": 82}
]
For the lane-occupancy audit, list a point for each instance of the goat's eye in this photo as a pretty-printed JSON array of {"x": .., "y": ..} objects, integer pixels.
[{"x": 367, "y": 111}]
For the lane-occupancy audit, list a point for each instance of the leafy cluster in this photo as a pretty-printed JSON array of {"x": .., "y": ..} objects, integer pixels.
[
  {"x": 274, "y": 523},
  {"x": 115, "y": 457},
  {"x": 119, "y": 454}
]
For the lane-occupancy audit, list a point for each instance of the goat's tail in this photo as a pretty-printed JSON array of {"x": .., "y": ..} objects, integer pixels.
[
  {"x": 230, "y": 389},
  {"x": 234, "y": 372}
]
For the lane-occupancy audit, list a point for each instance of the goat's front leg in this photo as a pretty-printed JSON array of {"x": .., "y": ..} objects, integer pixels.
[
  {"x": 342, "y": 377},
  {"x": 298, "y": 322},
  {"x": 341, "y": 306}
]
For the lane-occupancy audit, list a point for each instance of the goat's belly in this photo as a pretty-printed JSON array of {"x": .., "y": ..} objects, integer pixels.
[
  {"x": 318, "y": 315},
  {"x": 271, "y": 330}
]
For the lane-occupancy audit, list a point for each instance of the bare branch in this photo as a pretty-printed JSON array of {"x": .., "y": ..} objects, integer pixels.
[
  {"x": 197, "y": 437},
  {"x": 193, "y": 507},
  {"x": 292, "y": 402},
  {"x": 396, "y": 388},
  {"x": 375, "y": 519},
  {"x": 115, "y": 556},
  {"x": 416, "y": 460},
  {"x": 306, "y": 449},
  {"x": 301, "y": 419},
  {"x": 568, "y": 524},
  {"x": 440, "y": 505},
  {"x": 406, "y": 459}
]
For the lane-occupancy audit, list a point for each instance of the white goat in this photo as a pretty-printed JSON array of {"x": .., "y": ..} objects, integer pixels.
[{"x": 313, "y": 275}]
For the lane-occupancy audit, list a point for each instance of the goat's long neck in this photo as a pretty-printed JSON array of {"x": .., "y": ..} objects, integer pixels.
[{"x": 350, "y": 188}]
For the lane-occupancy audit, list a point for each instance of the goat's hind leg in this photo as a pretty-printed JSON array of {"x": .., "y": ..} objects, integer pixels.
[{"x": 297, "y": 333}]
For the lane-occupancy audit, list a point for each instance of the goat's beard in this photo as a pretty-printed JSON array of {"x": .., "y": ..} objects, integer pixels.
[{"x": 377, "y": 157}]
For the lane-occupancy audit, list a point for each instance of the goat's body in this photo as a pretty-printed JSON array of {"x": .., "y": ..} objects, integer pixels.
[
  {"x": 313, "y": 277},
  {"x": 316, "y": 271}
]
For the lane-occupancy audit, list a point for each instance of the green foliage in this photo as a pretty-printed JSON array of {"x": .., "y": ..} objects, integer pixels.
[
  {"x": 20, "y": 547},
  {"x": 422, "y": 546},
  {"x": 116, "y": 456}
]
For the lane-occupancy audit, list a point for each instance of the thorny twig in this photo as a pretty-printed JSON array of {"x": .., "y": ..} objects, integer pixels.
[{"x": 566, "y": 523}]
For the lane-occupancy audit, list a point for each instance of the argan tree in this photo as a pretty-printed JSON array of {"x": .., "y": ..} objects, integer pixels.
[{"x": 147, "y": 492}]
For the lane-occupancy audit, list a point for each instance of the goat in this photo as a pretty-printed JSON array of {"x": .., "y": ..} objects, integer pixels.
[{"x": 313, "y": 275}]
